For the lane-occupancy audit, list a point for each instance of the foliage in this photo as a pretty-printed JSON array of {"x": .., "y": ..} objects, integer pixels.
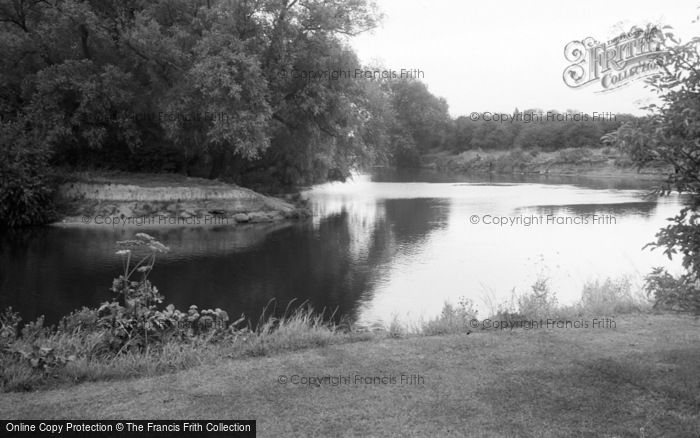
[
  {"x": 9, "y": 327},
  {"x": 133, "y": 321},
  {"x": 262, "y": 93},
  {"x": 28, "y": 346},
  {"x": 671, "y": 135},
  {"x": 574, "y": 155},
  {"x": 25, "y": 187},
  {"x": 421, "y": 121},
  {"x": 212, "y": 88},
  {"x": 541, "y": 302},
  {"x": 672, "y": 293},
  {"x": 531, "y": 129},
  {"x": 453, "y": 319}
]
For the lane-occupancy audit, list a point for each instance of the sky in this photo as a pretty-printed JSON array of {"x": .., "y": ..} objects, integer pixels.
[{"x": 496, "y": 56}]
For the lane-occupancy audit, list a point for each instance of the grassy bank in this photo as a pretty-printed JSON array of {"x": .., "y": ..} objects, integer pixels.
[
  {"x": 135, "y": 340},
  {"x": 637, "y": 379},
  {"x": 594, "y": 162},
  {"x": 608, "y": 365}
]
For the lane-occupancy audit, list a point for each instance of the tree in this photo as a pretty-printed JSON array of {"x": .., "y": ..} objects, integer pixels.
[
  {"x": 671, "y": 135},
  {"x": 421, "y": 121},
  {"x": 129, "y": 83}
]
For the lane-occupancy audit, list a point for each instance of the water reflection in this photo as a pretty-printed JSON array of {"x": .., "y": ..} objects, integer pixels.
[
  {"x": 645, "y": 208},
  {"x": 373, "y": 250},
  {"x": 383, "y": 174}
]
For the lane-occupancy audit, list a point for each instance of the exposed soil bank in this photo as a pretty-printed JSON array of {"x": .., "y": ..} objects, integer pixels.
[
  {"x": 638, "y": 378},
  {"x": 158, "y": 200}
]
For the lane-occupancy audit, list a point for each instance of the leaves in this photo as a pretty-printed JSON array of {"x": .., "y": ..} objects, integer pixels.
[
  {"x": 670, "y": 135},
  {"x": 26, "y": 190},
  {"x": 186, "y": 84}
]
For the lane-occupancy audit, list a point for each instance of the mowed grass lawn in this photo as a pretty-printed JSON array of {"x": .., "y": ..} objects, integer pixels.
[{"x": 640, "y": 379}]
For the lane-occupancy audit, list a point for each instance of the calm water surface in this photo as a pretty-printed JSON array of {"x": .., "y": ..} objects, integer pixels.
[{"x": 390, "y": 245}]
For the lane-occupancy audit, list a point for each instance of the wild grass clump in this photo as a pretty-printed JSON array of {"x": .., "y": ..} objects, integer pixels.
[
  {"x": 303, "y": 328},
  {"x": 540, "y": 303},
  {"x": 452, "y": 319},
  {"x": 612, "y": 297},
  {"x": 598, "y": 299},
  {"x": 606, "y": 298},
  {"x": 72, "y": 357}
]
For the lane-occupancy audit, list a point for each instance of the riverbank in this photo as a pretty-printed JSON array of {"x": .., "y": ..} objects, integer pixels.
[
  {"x": 638, "y": 378},
  {"x": 127, "y": 199},
  {"x": 590, "y": 162}
]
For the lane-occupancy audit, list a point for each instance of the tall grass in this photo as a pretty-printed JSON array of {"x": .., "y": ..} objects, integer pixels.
[
  {"x": 610, "y": 297},
  {"x": 300, "y": 329},
  {"x": 452, "y": 319}
]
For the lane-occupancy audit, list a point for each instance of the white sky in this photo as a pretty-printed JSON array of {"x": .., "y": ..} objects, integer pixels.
[{"x": 495, "y": 56}]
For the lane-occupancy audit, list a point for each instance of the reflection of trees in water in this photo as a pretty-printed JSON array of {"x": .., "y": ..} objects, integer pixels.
[
  {"x": 423, "y": 175},
  {"x": 413, "y": 219},
  {"x": 615, "y": 209},
  {"x": 333, "y": 263},
  {"x": 300, "y": 263},
  {"x": 336, "y": 263},
  {"x": 49, "y": 271}
]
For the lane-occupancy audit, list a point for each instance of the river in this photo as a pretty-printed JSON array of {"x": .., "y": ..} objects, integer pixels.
[{"x": 390, "y": 245}]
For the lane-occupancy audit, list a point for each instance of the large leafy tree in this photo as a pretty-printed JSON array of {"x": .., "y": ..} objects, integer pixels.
[
  {"x": 123, "y": 77},
  {"x": 421, "y": 121},
  {"x": 671, "y": 135}
]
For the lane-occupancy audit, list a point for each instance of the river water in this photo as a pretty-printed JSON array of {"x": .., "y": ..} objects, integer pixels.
[{"x": 377, "y": 248}]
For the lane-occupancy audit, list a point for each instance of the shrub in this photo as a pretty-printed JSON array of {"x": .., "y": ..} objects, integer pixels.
[
  {"x": 668, "y": 136},
  {"x": 25, "y": 189},
  {"x": 673, "y": 293}
]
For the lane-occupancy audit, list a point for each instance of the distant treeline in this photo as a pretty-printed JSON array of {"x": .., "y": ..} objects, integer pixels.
[{"x": 533, "y": 129}]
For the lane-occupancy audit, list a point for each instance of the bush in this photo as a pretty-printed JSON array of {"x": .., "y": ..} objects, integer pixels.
[
  {"x": 671, "y": 293},
  {"x": 25, "y": 190},
  {"x": 669, "y": 136}
]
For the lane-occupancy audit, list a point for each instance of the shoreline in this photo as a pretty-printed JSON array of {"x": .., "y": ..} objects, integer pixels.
[
  {"x": 141, "y": 201},
  {"x": 581, "y": 162}
]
